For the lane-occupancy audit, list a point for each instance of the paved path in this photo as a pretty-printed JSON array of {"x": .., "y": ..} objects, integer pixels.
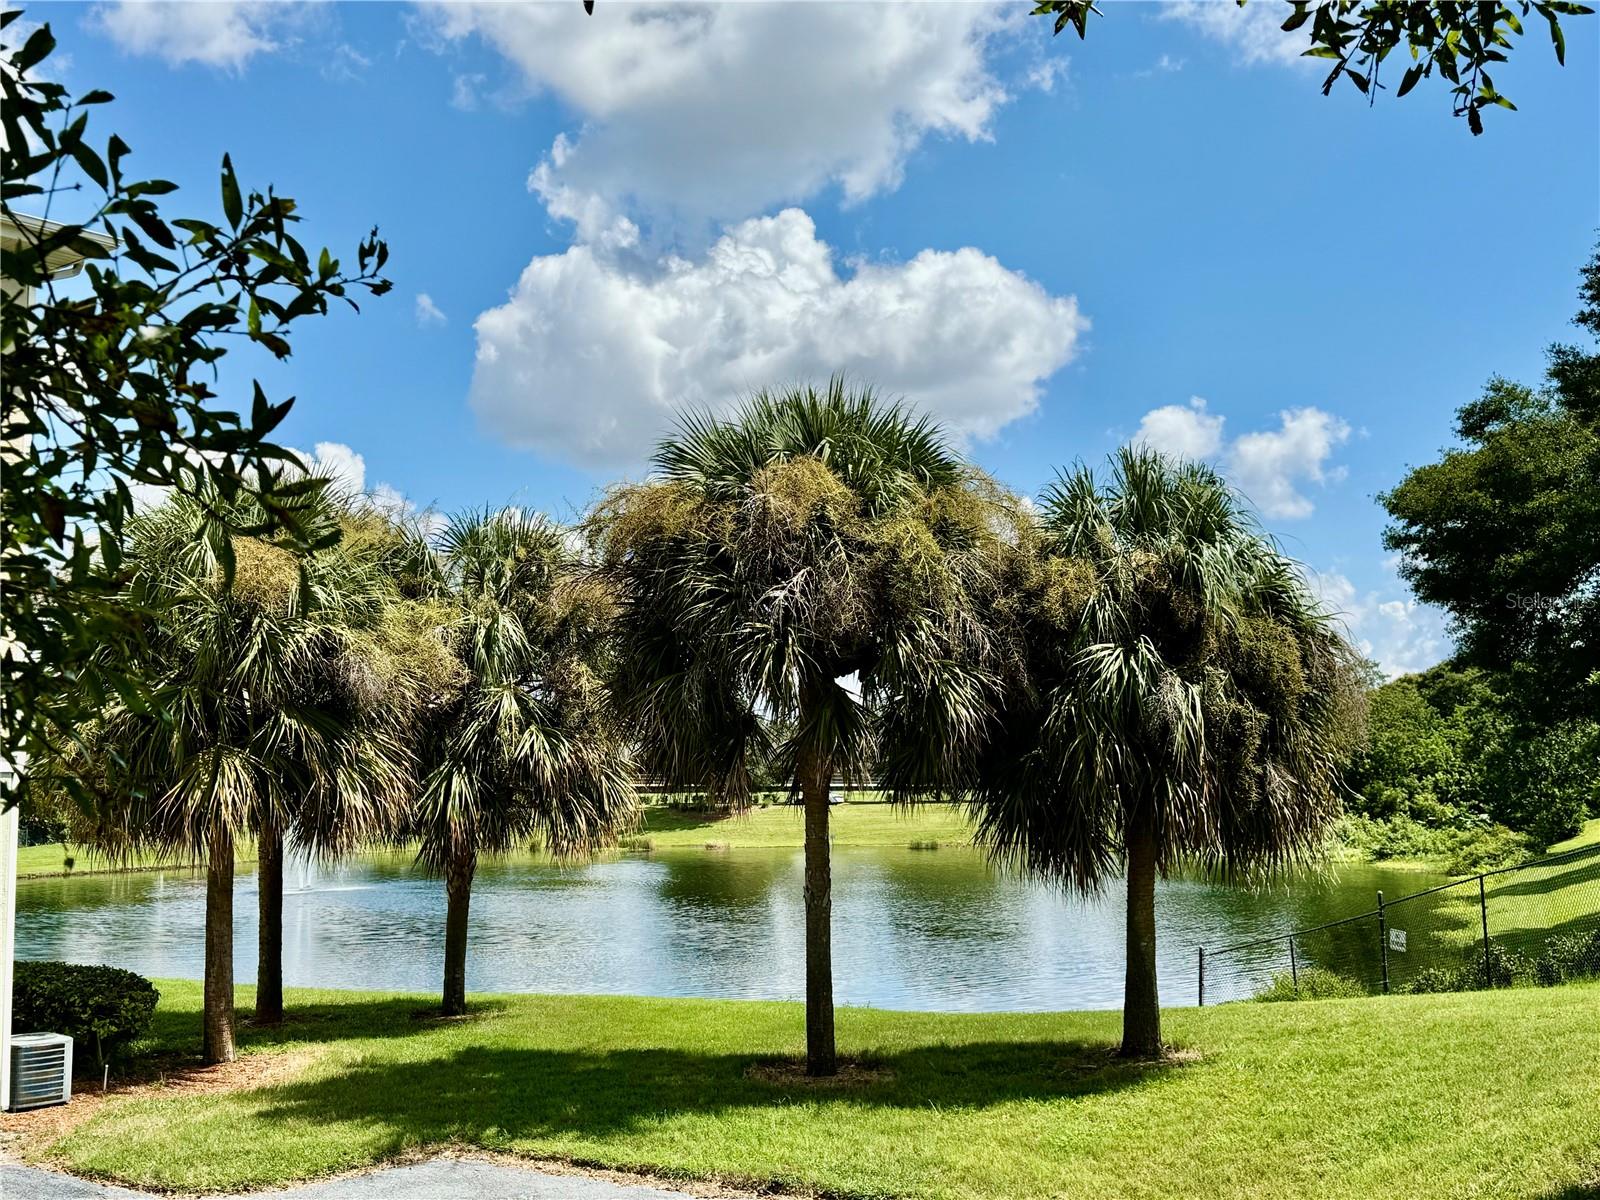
[{"x": 439, "y": 1179}]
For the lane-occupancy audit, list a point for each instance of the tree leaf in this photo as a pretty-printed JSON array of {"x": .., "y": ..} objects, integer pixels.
[
  {"x": 34, "y": 50},
  {"x": 153, "y": 227},
  {"x": 1557, "y": 38},
  {"x": 89, "y": 162},
  {"x": 232, "y": 202}
]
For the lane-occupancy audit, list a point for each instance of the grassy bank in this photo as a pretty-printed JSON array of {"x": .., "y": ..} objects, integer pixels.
[
  {"x": 1482, "y": 1094},
  {"x": 667, "y": 827},
  {"x": 783, "y": 825},
  {"x": 664, "y": 827},
  {"x": 57, "y": 858},
  {"x": 1352, "y": 849}
]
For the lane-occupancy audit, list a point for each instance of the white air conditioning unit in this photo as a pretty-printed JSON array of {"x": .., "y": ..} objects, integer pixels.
[{"x": 41, "y": 1070}]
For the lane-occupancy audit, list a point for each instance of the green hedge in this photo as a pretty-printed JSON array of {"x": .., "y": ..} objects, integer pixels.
[{"x": 103, "y": 1009}]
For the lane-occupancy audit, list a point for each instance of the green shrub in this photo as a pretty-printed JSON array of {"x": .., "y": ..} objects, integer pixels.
[
  {"x": 1465, "y": 848},
  {"x": 1315, "y": 983},
  {"x": 1439, "y": 979},
  {"x": 103, "y": 1009},
  {"x": 1564, "y": 957},
  {"x": 1568, "y": 956},
  {"x": 1503, "y": 968},
  {"x": 1485, "y": 849}
]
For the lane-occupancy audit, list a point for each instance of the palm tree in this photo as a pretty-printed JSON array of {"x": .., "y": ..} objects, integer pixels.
[
  {"x": 1182, "y": 699},
  {"x": 352, "y": 788},
  {"x": 261, "y": 714},
  {"x": 523, "y": 746},
  {"x": 812, "y": 540}
]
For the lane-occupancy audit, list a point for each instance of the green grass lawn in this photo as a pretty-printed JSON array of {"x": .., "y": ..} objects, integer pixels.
[
  {"x": 1589, "y": 835},
  {"x": 53, "y": 859},
  {"x": 1491, "y": 1094},
  {"x": 852, "y": 824},
  {"x": 1526, "y": 907}
]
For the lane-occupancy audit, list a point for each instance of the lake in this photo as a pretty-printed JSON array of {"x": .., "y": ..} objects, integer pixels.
[{"x": 912, "y": 929}]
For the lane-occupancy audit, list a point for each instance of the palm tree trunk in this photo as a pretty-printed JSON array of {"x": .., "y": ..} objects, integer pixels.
[
  {"x": 217, "y": 1043},
  {"x": 1141, "y": 1006},
  {"x": 458, "y": 899},
  {"x": 816, "y": 775},
  {"x": 269, "y": 942}
]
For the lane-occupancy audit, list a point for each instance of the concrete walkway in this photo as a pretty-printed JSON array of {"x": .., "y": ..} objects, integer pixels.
[{"x": 438, "y": 1179}]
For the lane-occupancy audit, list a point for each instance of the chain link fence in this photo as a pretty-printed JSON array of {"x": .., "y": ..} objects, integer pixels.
[{"x": 1538, "y": 923}]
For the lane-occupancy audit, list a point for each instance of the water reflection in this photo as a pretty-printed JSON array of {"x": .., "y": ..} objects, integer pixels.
[{"x": 934, "y": 930}]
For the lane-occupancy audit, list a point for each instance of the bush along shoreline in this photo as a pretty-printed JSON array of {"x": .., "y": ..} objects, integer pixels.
[{"x": 1565, "y": 958}]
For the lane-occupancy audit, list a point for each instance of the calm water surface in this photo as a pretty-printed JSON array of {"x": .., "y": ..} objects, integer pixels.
[{"x": 931, "y": 930}]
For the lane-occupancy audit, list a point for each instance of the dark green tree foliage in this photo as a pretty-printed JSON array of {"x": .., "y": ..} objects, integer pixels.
[
  {"x": 1421, "y": 757},
  {"x": 108, "y": 385},
  {"x": 1547, "y": 781},
  {"x": 1504, "y": 532},
  {"x": 1458, "y": 41},
  {"x": 1184, "y": 701},
  {"x": 1451, "y": 751}
]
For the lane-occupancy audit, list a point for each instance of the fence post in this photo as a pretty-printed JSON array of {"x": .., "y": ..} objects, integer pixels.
[
  {"x": 1202, "y": 976},
  {"x": 1483, "y": 907},
  {"x": 1383, "y": 943},
  {"x": 1294, "y": 969}
]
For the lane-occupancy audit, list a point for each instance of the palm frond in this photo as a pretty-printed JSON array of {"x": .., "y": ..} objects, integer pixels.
[{"x": 529, "y": 748}]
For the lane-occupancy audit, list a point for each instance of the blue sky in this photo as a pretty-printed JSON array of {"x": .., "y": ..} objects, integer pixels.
[{"x": 1164, "y": 232}]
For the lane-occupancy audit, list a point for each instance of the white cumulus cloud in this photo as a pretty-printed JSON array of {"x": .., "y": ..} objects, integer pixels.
[
  {"x": 592, "y": 358},
  {"x": 334, "y": 461},
  {"x": 698, "y": 114},
  {"x": 1181, "y": 430},
  {"x": 1270, "y": 466},
  {"x": 337, "y": 462},
  {"x": 224, "y": 33},
  {"x": 348, "y": 472},
  {"x": 1395, "y": 631}
]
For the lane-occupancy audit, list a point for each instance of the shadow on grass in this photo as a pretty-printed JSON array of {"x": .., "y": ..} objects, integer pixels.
[
  {"x": 1530, "y": 939},
  {"x": 1575, "y": 1191},
  {"x": 178, "y": 1032},
  {"x": 1578, "y": 870},
  {"x": 512, "y": 1093},
  {"x": 674, "y": 818}
]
